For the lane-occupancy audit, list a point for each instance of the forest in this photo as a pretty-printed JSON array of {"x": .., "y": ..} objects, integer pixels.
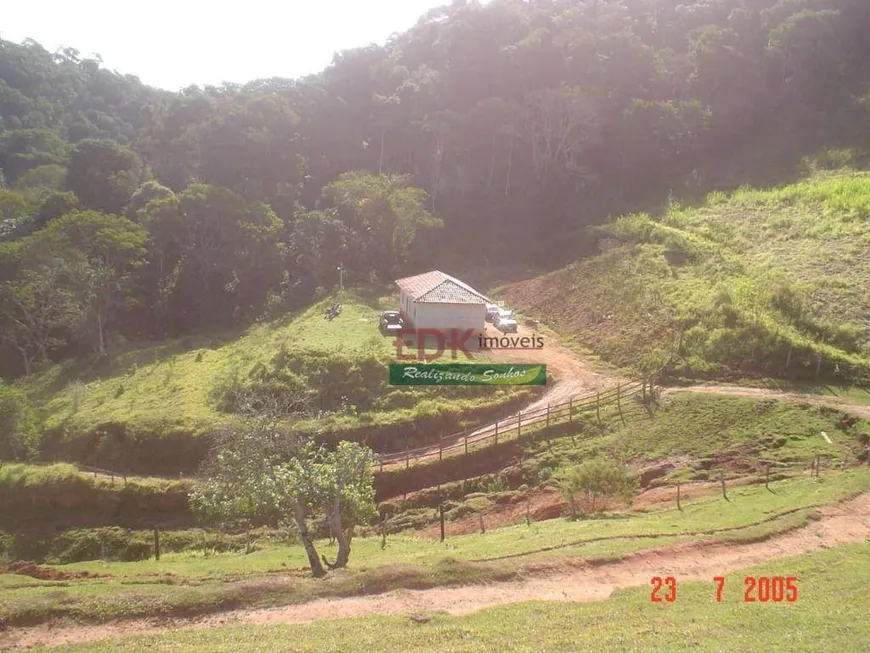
[{"x": 491, "y": 133}]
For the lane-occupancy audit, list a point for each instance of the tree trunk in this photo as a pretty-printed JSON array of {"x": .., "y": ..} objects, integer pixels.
[
  {"x": 343, "y": 538},
  {"x": 491, "y": 165},
  {"x": 381, "y": 160},
  {"x": 507, "y": 184},
  {"x": 341, "y": 535},
  {"x": 28, "y": 361},
  {"x": 101, "y": 339},
  {"x": 313, "y": 561}
]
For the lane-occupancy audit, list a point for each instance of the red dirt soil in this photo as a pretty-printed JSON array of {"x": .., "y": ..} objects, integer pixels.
[
  {"x": 548, "y": 503},
  {"x": 45, "y": 573}
]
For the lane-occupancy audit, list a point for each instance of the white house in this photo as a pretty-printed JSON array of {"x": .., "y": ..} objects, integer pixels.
[{"x": 435, "y": 300}]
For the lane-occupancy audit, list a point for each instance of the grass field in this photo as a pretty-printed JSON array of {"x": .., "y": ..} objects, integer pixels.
[
  {"x": 829, "y": 614},
  {"x": 183, "y": 389},
  {"x": 759, "y": 281},
  {"x": 163, "y": 382},
  {"x": 189, "y": 583}
]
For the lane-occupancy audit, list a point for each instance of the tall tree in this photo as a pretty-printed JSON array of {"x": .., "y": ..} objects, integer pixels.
[
  {"x": 220, "y": 254},
  {"x": 103, "y": 174},
  {"x": 386, "y": 214}
]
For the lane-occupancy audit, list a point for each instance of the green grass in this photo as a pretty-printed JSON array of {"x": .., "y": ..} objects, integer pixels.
[
  {"x": 829, "y": 614},
  {"x": 182, "y": 389},
  {"x": 195, "y": 583},
  {"x": 175, "y": 378},
  {"x": 768, "y": 280},
  {"x": 735, "y": 428}
]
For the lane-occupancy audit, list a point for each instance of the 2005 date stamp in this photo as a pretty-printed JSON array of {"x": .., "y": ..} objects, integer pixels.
[{"x": 756, "y": 589}]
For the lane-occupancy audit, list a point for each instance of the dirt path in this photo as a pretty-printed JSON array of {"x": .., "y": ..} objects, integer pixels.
[
  {"x": 859, "y": 410},
  {"x": 572, "y": 377},
  {"x": 564, "y": 581}
]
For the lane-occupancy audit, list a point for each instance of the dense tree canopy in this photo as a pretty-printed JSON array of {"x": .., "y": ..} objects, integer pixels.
[{"x": 485, "y": 132}]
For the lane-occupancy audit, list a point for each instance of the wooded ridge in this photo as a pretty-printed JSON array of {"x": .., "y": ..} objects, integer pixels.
[{"x": 496, "y": 132}]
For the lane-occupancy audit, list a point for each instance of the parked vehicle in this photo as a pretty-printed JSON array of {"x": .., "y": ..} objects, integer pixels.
[
  {"x": 491, "y": 312},
  {"x": 505, "y": 321},
  {"x": 391, "y": 322}
]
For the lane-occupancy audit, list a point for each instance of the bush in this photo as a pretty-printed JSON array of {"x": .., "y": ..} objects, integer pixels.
[
  {"x": 591, "y": 486},
  {"x": 19, "y": 428}
]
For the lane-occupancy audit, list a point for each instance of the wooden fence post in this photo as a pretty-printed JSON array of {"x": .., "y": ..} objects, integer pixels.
[
  {"x": 157, "y": 544},
  {"x": 548, "y": 414},
  {"x": 598, "y": 407},
  {"x": 679, "y": 507},
  {"x": 722, "y": 481},
  {"x": 383, "y": 531},
  {"x": 407, "y": 455},
  {"x": 440, "y": 448},
  {"x": 441, "y": 516},
  {"x": 466, "y": 443},
  {"x": 571, "y": 410},
  {"x": 528, "y": 510},
  {"x": 482, "y": 527},
  {"x": 519, "y": 424},
  {"x": 619, "y": 403},
  {"x": 496, "y": 432}
]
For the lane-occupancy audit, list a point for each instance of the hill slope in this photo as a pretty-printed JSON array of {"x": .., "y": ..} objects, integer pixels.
[
  {"x": 146, "y": 409},
  {"x": 766, "y": 282}
]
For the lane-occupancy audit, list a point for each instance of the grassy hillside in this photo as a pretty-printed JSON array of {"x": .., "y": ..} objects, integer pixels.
[
  {"x": 209, "y": 580},
  {"x": 757, "y": 282},
  {"x": 146, "y": 408},
  {"x": 691, "y": 437}
]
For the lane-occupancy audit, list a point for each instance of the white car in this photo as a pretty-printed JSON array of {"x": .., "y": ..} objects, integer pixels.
[{"x": 504, "y": 321}]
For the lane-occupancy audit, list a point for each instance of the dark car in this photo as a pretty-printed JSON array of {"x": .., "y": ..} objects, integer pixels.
[{"x": 391, "y": 322}]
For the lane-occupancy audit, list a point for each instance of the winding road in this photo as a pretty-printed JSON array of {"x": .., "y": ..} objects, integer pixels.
[{"x": 574, "y": 377}]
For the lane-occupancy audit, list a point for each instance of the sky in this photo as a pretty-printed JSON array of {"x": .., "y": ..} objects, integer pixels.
[{"x": 173, "y": 44}]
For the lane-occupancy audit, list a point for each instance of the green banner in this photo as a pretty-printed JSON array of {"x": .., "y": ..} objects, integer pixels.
[{"x": 467, "y": 374}]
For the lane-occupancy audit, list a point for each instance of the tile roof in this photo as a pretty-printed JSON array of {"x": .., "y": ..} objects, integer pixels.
[{"x": 439, "y": 288}]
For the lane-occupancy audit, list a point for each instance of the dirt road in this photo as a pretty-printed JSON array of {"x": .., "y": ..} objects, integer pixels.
[
  {"x": 572, "y": 377},
  {"x": 564, "y": 581},
  {"x": 859, "y": 410}
]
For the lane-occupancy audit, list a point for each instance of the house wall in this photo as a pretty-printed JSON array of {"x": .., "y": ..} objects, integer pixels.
[
  {"x": 406, "y": 308},
  {"x": 448, "y": 316}
]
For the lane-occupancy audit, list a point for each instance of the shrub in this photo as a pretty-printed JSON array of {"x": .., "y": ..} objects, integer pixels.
[
  {"x": 591, "y": 486},
  {"x": 19, "y": 429}
]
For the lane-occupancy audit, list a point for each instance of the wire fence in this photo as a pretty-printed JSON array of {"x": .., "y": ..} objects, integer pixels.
[{"x": 514, "y": 426}]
